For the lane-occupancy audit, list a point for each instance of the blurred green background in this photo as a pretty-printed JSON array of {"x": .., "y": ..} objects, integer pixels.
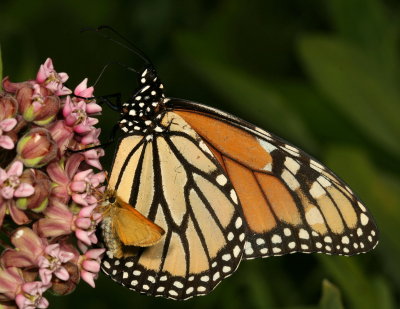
[{"x": 322, "y": 74}]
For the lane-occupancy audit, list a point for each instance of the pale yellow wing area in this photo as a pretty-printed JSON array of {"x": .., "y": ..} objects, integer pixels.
[{"x": 175, "y": 181}]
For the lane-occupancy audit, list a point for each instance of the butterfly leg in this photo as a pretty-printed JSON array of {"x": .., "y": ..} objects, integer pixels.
[{"x": 106, "y": 99}]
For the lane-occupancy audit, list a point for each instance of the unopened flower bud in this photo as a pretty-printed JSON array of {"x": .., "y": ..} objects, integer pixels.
[
  {"x": 39, "y": 200},
  {"x": 11, "y": 87},
  {"x": 35, "y": 106},
  {"x": 8, "y": 107},
  {"x": 36, "y": 148}
]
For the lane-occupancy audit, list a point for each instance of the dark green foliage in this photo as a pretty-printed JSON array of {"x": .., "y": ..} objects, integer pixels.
[{"x": 324, "y": 75}]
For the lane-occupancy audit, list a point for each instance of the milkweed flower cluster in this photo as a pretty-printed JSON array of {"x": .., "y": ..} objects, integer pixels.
[{"x": 48, "y": 194}]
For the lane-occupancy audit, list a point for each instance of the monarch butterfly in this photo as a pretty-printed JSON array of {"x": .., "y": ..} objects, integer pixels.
[{"x": 223, "y": 190}]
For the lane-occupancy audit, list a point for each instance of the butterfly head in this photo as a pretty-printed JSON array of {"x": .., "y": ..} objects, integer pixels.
[{"x": 140, "y": 113}]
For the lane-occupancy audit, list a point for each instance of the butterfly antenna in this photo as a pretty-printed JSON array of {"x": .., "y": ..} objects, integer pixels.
[
  {"x": 131, "y": 48},
  {"x": 112, "y": 63}
]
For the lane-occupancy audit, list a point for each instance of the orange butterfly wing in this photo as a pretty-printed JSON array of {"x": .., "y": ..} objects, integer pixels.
[
  {"x": 291, "y": 203},
  {"x": 134, "y": 229}
]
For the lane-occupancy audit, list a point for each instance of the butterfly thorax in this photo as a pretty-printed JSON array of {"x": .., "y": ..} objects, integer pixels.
[{"x": 142, "y": 113}]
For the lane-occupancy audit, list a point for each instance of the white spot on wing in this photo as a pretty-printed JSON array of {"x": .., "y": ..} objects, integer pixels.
[
  {"x": 234, "y": 197},
  {"x": 364, "y": 219},
  {"x": 324, "y": 182},
  {"x": 260, "y": 241},
  {"x": 276, "y": 239},
  {"x": 267, "y": 146},
  {"x": 221, "y": 180},
  {"x": 316, "y": 190},
  {"x": 292, "y": 165},
  {"x": 290, "y": 180},
  {"x": 236, "y": 251},
  {"x": 238, "y": 222},
  {"x": 303, "y": 234},
  {"x": 178, "y": 284},
  {"x": 363, "y": 209}
]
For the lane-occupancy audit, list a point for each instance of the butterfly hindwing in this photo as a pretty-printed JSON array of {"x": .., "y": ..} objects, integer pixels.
[
  {"x": 291, "y": 203},
  {"x": 175, "y": 181}
]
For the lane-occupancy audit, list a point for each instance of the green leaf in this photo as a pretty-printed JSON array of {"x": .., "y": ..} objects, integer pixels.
[
  {"x": 368, "y": 24},
  {"x": 331, "y": 298},
  {"x": 357, "y": 85},
  {"x": 351, "y": 278}
]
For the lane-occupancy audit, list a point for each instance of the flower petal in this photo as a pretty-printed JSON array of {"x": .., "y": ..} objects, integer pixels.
[
  {"x": 12, "y": 258},
  {"x": 81, "y": 87},
  {"x": 91, "y": 265},
  {"x": 8, "y": 124},
  {"x": 92, "y": 108},
  {"x": 24, "y": 190},
  {"x": 48, "y": 227},
  {"x": 6, "y": 142},
  {"x": 45, "y": 275},
  {"x": 88, "y": 277},
  {"x": 16, "y": 214},
  {"x": 7, "y": 193},
  {"x": 62, "y": 274},
  {"x": 15, "y": 169}
]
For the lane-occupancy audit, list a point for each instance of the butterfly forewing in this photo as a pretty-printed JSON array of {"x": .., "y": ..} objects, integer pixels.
[
  {"x": 291, "y": 203},
  {"x": 133, "y": 229},
  {"x": 176, "y": 181}
]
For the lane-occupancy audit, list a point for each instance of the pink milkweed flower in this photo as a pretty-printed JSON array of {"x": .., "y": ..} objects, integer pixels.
[
  {"x": 82, "y": 90},
  {"x": 91, "y": 138},
  {"x": 90, "y": 265},
  {"x": 62, "y": 135},
  {"x": 60, "y": 220},
  {"x": 51, "y": 79},
  {"x": 92, "y": 157},
  {"x": 29, "y": 247},
  {"x": 85, "y": 185},
  {"x": 52, "y": 263},
  {"x": 10, "y": 187},
  {"x": 11, "y": 280},
  {"x": 31, "y": 296},
  {"x": 37, "y": 105},
  {"x": 7, "y": 125},
  {"x": 10, "y": 184},
  {"x": 85, "y": 225},
  {"x": 61, "y": 173},
  {"x": 76, "y": 115}
]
